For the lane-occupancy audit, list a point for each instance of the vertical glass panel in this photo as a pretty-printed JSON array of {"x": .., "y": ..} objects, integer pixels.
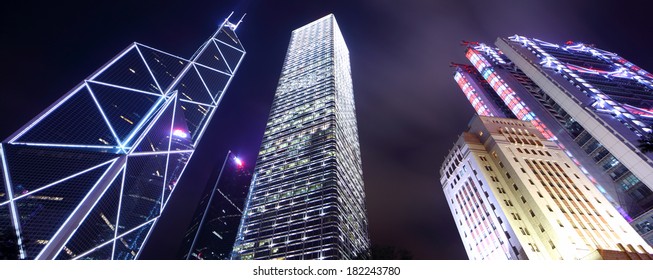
[
  {"x": 215, "y": 81},
  {"x": 141, "y": 198},
  {"x": 192, "y": 88},
  {"x": 212, "y": 58},
  {"x": 99, "y": 226},
  {"x": 10, "y": 249},
  {"x": 42, "y": 213},
  {"x": 184, "y": 130},
  {"x": 34, "y": 167},
  {"x": 124, "y": 108},
  {"x": 75, "y": 121},
  {"x": 129, "y": 71},
  {"x": 231, "y": 55},
  {"x": 127, "y": 247},
  {"x": 192, "y": 117},
  {"x": 159, "y": 135},
  {"x": 176, "y": 165},
  {"x": 164, "y": 67},
  {"x": 3, "y": 190}
]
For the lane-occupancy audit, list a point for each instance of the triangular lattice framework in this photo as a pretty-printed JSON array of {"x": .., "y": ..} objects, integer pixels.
[{"x": 89, "y": 177}]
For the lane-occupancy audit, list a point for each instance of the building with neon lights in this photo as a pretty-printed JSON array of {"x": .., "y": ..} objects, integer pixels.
[
  {"x": 590, "y": 102},
  {"x": 89, "y": 177},
  {"x": 307, "y": 199},
  {"x": 212, "y": 232},
  {"x": 516, "y": 195}
]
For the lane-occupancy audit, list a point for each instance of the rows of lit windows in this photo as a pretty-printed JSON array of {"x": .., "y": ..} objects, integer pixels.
[
  {"x": 579, "y": 211},
  {"x": 298, "y": 208},
  {"x": 522, "y": 137},
  {"x": 569, "y": 124}
]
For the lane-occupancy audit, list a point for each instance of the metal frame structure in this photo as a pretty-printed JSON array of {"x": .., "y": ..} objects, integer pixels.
[{"x": 89, "y": 177}]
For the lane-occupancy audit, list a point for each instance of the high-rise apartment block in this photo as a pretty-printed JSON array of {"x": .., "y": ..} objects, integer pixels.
[
  {"x": 516, "y": 195},
  {"x": 593, "y": 104},
  {"x": 89, "y": 177},
  {"x": 307, "y": 199}
]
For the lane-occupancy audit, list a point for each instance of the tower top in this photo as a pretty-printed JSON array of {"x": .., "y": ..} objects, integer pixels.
[{"x": 232, "y": 26}]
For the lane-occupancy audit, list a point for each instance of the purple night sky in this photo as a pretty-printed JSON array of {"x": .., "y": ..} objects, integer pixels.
[{"x": 409, "y": 109}]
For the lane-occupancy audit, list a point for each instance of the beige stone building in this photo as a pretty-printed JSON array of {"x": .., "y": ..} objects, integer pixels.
[{"x": 515, "y": 195}]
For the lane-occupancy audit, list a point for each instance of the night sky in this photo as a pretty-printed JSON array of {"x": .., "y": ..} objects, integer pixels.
[{"x": 409, "y": 109}]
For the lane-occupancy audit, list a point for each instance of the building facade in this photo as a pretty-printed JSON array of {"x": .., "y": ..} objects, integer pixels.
[
  {"x": 89, "y": 177},
  {"x": 307, "y": 199},
  {"x": 516, "y": 195},
  {"x": 590, "y": 102},
  {"x": 215, "y": 223}
]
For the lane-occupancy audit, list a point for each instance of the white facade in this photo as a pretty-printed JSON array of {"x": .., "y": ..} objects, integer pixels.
[{"x": 516, "y": 195}]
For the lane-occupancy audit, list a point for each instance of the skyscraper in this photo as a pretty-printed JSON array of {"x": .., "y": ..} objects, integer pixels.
[
  {"x": 307, "y": 200},
  {"x": 89, "y": 177},
  {"x": 592, "y": 103},
  {"x": 516, "y": 195},
  {"x": 212, "y": 232}
]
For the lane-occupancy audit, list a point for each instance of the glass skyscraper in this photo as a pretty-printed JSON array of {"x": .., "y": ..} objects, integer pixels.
[
  {"x": 592, "y": 103},
  {"x": 307, "y": 200},
  {"x": 89, "y": 177},
  {"x": 212, "y": 232}
]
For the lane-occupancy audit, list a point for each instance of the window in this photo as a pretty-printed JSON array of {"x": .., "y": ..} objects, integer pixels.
[{"x": 532, "y": 213}]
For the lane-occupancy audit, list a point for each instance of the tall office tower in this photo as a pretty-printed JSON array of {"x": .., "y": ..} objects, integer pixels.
[
  {"x": 590, "y": 102},
  {"x": 213, "y": 230},
  {"x": 89, "y": 177},
  {"x": 307, "y": 199},
  {"x": 516, "y": 195}
]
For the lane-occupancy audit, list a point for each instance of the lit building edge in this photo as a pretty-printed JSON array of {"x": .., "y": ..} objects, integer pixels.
[
  {"x": 89, "y": 177},
  {"x": 307, "y": 200}
]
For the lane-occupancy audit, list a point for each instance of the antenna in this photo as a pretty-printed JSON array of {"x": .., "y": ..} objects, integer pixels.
[
  {"x": 241, "y": 20},
  {"x": 229, "y": 16}
]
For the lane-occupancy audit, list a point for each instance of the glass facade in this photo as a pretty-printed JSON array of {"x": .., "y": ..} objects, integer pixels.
[
  {"x": 213, "y": 230},
  {"x": 89, "y": 177},
  {"x": 307, "y": 199}
]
